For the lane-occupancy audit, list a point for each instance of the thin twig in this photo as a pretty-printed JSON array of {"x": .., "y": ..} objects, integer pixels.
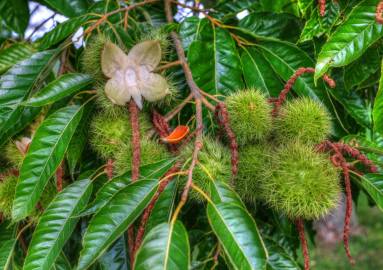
[
  {"x": 180, "y": 106},
  {"x": 167, "y": 66},
  {"x": 305, "y": 251},
  {"x": 198, "y": 103},
  {"x": 124, "y": 9}
]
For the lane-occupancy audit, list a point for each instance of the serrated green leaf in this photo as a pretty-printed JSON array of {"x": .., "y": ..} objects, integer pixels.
[
  {"x": 190, "y": 30},
  {"x": 117, "y": 257},
  {"x": 63, "y": 86},
  {"x": 61, "y": 32},
  {"x": 15, "y": 14},
  {"x": 15, "y": 86},
  {"x": 13, "y": 54},
  {"x": 377, "y": 112},
  {"x": 373, "y": 184},
  {"x": 351, "y": 39},
  {"x": 166, "y": 247},
  {"x": 56, "y": 225},
  {"x": 238, "y": 235},
  {"x": 62, "y": 263},
  {"x": 45, "y": 154},
  {"x": 110, "y": 188},
  {"x": 222, "y": 74},
  {"x": 221, "y": 192},
  {"x": 7, "y": 243},
  {"x": 162, "y": 210},
  {"x": 278, "y": 258},
  {"x": 68, "y": 8},
  {"x": 286, "y": 58},
  {"x": 362, "y": 69},
  {"x": 111, "y": 221},
  {"x": 318, "y": 25},
  {"x": 258, "y": 73},
  {"x": 268, "y": 24}
]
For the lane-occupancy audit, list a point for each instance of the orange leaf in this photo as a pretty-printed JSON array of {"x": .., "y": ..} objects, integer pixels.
[{"x": 177, "y": 135}]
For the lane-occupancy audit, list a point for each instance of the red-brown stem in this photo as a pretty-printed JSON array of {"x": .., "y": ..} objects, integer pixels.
[
  {"x": 109, "y": 168},
  {"x": 136, "y": 160},
  {"x": 347, "y": 219},
  {"x": 222, "y": 116},
  {"x": 289, "y": 84},
  {"x": 59, "y": 177},
  {"x": 168, "y": 65},
  {"x": 379, "y": 13},
  {"x": 305, "y": 251},
  {"x": 322, "y": 7},
  {"x": 149, "y": 209}
]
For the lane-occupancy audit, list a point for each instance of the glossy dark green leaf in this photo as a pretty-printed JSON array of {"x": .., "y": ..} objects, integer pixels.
[
  {"x": 45, "y": 154},
  {"x": 378, "y": 106},
  {"x": 279, "y": 259},
  {"x": 56, "y": 225},
  {"x": 318, "y": 25},
  {"x": 222, "y": 74},
  {"x": 15, "y": 86},
  {"x": 268, "y": 24},
  {"x": 360, "y": 70},
  {"x": 286, "y": 58},
  {"x": 351, "y": 39},
  {"x": 111, "y": 221},
  {"x": 190, "y": 30},
  {"x": 163, "y": 208},
  {"x": 13, "y": 54},
  {"x": 373, "y": 184},
  {"x": 25, "y": 116},
  {"x": 62, "y": 263},
  {"x": 68, "y": 8},
  {"x": 61, "y": 32},
  {"x": 117, "y": 256},
  {"x": 258, "y": 73},
  {"x": 165, "y": 247},
  {"x": 79, "y": 141},
  {"x": 220, "y": 192},
  {"x": 110, "y": 188},
  {"x": 62, "y": 87},
  {"x": 355, "y": 105},
  {"x": 238, "y": 234},
  {"x": 7, "y": 243},
  {"x": 15, "y": 13}
]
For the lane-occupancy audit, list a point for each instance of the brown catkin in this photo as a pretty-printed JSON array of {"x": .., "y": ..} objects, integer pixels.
[
  {"x": 289, "y": 84},
  {"x": 322, "y": 7},
  {"x": 222, "y": 116},
  {"x": 379, "y": 13}
]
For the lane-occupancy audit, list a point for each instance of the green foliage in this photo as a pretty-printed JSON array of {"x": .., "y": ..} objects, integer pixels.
[
  {"x": 213, "y": 165},
  {"x": 53, "y": 90},
  {"x": 303, "y": 119},
  {"x": 250, "y": 115},
  {"x": 303, "y": 183}
]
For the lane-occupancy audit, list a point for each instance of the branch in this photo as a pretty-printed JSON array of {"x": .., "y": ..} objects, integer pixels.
[{"x": 198, "y": 103}]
